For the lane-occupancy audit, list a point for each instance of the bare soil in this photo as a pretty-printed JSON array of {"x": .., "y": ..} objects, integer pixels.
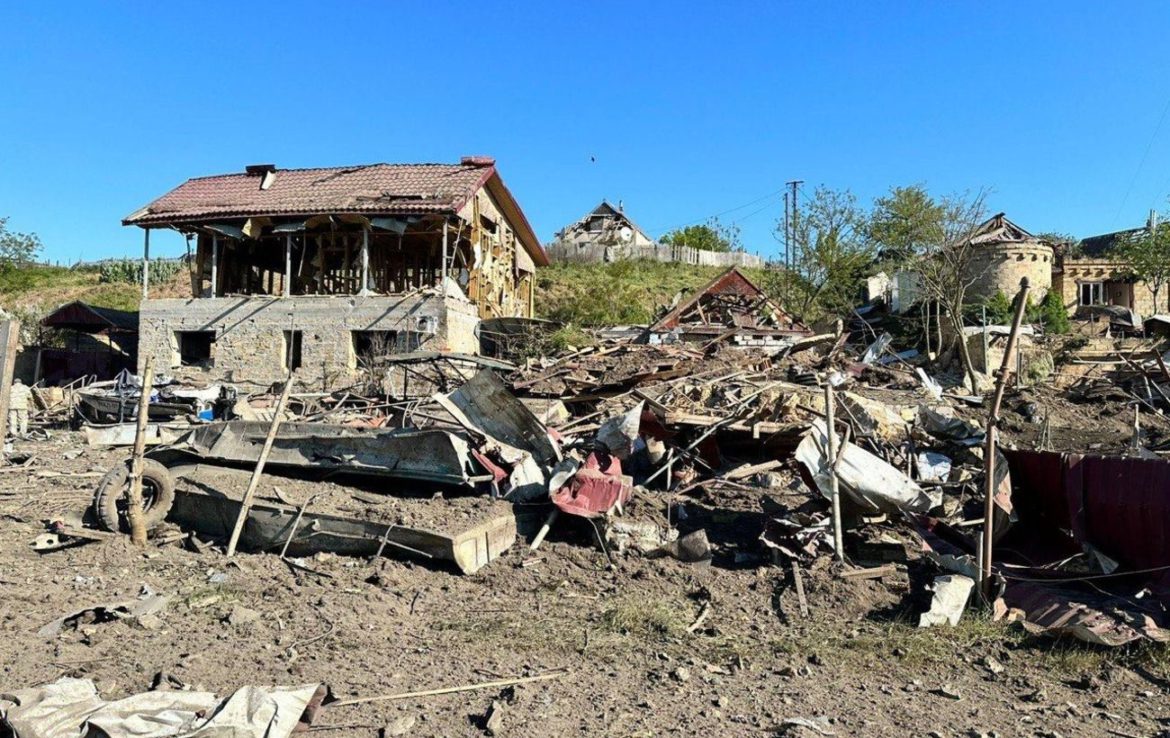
[{"x": 622, "y": 633}]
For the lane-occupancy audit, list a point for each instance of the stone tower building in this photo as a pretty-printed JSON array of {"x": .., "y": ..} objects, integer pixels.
[{"x": 1005, "y": 254}]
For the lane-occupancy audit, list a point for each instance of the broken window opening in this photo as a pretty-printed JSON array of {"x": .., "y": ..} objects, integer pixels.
[
  {"x": 1091, "y": 293},
  {"x": 196, "y": 348},
  {"x": 369, "y": 347},
  {"x": 293, "y": 341}
]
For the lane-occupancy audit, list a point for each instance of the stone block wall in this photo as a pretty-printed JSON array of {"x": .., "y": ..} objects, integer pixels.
[
  {"x": 250, "y": 333},
  {"x": 1119, "y": 286},
  {"x": 999, "y": 268}
]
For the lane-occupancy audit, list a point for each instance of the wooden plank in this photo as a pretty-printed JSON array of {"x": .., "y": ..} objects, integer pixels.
[
  {"x": 799, "y": 582},
  {"x": 876, "y": 572},
  {"x": 259, "y": 471}
]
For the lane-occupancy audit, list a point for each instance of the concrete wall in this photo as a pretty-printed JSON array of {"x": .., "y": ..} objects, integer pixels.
[
  {"x": 594, "y": 253},
  {"x": 999, "y": 268},
  {"x": 250, "y": 339}
]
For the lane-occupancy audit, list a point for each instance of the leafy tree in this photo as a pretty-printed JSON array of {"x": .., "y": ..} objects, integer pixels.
[
  {"x": 710, "y": 236},
  {"x": 17, "y": 249},
  {"x": 1147, "y": 254},
  {"x": 832, "y": 255},
  {"x": 945, "y": 265},
  {"x": 903, "y": 222}
]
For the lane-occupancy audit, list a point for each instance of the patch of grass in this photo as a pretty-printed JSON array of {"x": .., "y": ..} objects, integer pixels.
[
  {"x": 618, "y": 293},
  {"x": 645, "y": 619}
]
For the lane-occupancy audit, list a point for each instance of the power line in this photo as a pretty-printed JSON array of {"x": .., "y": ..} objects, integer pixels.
[
  {"x": 722, "y": 213},
  {"x": 1142, "y": 163}
]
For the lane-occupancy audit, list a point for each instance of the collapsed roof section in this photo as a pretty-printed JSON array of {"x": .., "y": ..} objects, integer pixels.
[
  {"x": 730, "y": 302},
  {"x": 998, "y": 229}
]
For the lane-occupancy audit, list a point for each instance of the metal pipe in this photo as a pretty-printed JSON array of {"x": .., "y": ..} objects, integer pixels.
[
  {"x": 146, "y": 263},
  {"x": 834, "y": 482},
  {"x": 990, "y": 444}
]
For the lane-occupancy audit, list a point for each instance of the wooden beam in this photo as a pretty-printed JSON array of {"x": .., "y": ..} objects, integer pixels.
[
  {"x": 134, "y": 505},
  {"x": 246, "y": 504}
]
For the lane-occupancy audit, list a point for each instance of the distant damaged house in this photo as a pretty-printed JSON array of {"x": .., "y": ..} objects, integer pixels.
[
  {"x": 605, "y": 233},
  {"x": 608, "y": 234},
  {"x": 323, "y": 270},
  {"x": 82, "y": 340},
  {"x": 731, "y": 309}
]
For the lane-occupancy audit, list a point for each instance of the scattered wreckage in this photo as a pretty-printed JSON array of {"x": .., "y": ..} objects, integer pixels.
[{"x": 704, "y": 450}]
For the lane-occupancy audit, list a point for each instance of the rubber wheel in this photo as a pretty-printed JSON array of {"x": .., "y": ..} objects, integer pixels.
[{"x": 158, "y": 494}]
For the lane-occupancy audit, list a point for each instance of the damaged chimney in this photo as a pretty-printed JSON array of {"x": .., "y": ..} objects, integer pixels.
[
  {"x": 268, "y": 170},
  {"x": 477, "y": 161}
]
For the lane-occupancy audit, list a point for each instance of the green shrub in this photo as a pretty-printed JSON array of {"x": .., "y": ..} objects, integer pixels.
[
  {"x": 1053, "y": 314},
  {"x": 128, "y": 271}
]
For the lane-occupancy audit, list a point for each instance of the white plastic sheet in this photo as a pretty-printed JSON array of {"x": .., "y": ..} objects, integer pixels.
[{"x": 72, "y": 708}]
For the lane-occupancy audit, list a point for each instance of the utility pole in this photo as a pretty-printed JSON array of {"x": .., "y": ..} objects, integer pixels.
[
  {"x": 787, "y": 253},
  {"x": 792, "y": 203}
]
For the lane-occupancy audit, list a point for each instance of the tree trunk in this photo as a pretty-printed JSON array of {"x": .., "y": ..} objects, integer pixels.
[{"x": 965, "y": 352}]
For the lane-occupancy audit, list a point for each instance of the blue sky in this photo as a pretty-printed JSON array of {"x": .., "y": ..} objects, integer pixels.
[{"x": 679, "y": 110}]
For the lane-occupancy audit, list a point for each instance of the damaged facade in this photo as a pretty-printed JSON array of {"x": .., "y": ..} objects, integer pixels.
[
  {"x": 1093, "y": 273},
  {"x": 327, "y": 270},
  {"x": 1005, "y": 253}
]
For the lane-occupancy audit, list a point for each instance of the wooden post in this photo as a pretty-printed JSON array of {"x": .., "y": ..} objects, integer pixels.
[
  {"x": 365, "y": 262},
  {"x": 990, "y": 445},
  {"x": 214, "y": 263},
  {"x": 246, "y": 503},
  {"x": 145, "y": 263},
  {"x": 834, "y": 482},
  {"x": 444, "y": 270},
  {"x": 287, "y": 264},
  {"x": 9, "y": 343},
  {"x": 134, "y": 511}
]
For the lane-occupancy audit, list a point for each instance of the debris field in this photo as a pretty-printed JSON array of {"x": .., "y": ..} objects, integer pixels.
[{"x": 697, "y": 532}]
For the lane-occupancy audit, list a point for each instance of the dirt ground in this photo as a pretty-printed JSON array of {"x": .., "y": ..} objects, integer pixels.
[{"x": 633, "y": 665}]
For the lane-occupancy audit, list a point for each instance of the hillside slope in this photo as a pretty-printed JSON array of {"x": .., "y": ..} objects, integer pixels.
[
  {"x": 618, "y": 293},
  {"x": 32, "y": 292}
]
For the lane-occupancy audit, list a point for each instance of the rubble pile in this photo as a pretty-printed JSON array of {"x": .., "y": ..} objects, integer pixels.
[{"x": 845, "y": 465}]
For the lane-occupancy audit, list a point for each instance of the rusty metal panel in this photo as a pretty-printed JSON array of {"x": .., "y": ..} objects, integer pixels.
[{"x": 1121, "y": 506}]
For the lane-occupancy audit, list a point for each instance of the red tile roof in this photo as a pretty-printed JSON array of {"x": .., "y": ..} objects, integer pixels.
[
  {"x": 378, "y": 189},
  {"x": 373, "y": 188}
]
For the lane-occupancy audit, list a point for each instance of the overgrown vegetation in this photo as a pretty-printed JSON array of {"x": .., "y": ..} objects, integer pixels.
[
  {"x": 710, "y": 236},
  {"x": 1049, "y": 312},
  {"x": 17, "y": 250},
  {"x": 618, "y": 293},
  {"x": 129, "y": 271}
]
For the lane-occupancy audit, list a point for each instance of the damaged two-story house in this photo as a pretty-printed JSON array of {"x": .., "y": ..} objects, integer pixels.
[{"x": 320, "y": 270}]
